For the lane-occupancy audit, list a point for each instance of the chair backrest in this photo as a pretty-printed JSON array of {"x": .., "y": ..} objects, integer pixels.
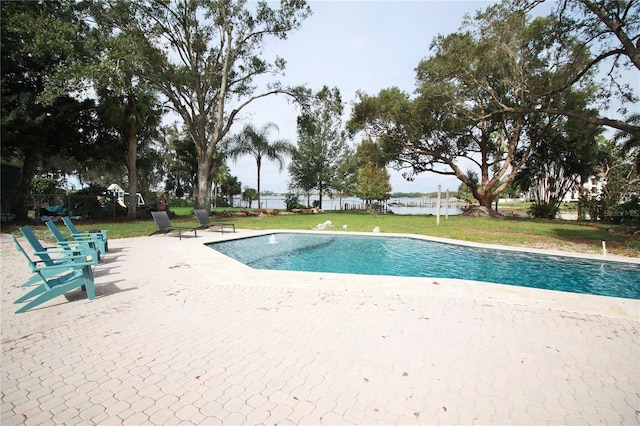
[
  {"x": 70, "y": 225},
  {"x": 35, "y": 243},
  {"x": 161, "y": 219},
  {"x": 55, "y": 231},
  {"x": 91, "y": 246},
  {"x": 202, "y": 216},
  {"x": 21, "y": 250}
]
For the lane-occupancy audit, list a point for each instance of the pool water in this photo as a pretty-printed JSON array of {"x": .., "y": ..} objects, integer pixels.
[{"x": 412, "y": 257}]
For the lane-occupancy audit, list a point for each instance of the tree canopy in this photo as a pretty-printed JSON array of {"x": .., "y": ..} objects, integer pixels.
[
  {"x": 38, "y": 38},
  {"x": 592, "y": 36},
  {"x": 506, "y": 96}
]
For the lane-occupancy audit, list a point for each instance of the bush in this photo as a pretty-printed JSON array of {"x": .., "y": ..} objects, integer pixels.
[
  {"x": 180, "y": 202},
  {"x": 543, "y": 210},
  {"x": 628, "y": 212},
  {"x": 594, "y": 206},
  {"x": 222, "y": 202},
  {"x": 96, "y": 203},
  {"x": 41, "y": 185},
  {"x": 291, "y": 202}
]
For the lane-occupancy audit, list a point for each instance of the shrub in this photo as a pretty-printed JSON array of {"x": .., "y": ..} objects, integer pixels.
[
  {"x": 96, "y": 203},
  {"x": 42, "y": 185},
  {"x": 180, "y": 202},
  {"x": 543, "y": 210},
  {"x": 628, "y": 212},
  {"x": 291, "y": 201}
]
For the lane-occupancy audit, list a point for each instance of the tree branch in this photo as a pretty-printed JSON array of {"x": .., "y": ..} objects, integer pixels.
[
  {"x": 586, "y": 69},
  {"x": 616, "y": 28},
  {"x": 603, "y": 121}
]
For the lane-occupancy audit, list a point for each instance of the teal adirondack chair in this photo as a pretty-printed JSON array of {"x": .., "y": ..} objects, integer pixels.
[
  {"x": 99, "y": 237},
  {"x": 89, "y": 243},
  {"x": 70, "y": 252},
  {"x": 68, "y": 276}
]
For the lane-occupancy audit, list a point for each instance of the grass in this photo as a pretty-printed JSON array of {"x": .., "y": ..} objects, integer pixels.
[{"x": 549, "y": 234}]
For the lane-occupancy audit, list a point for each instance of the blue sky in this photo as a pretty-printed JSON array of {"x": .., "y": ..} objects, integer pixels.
[{"x": 353, "y": 45}]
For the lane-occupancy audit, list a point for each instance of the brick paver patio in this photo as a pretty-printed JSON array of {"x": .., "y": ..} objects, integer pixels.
[{"x": 180, "y": 335}]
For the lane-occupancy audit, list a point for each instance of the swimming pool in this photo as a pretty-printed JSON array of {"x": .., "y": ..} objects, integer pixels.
[{"x": 413, "y": 257}]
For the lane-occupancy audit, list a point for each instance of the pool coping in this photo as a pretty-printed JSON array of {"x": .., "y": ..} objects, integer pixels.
[{"x": 219, "y": 267}]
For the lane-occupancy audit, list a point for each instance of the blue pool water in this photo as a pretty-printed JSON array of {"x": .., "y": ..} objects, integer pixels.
[{"x": 400, "y": 256}]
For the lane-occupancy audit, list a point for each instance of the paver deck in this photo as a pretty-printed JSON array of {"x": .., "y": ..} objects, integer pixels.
[{"x": 180, "y": 334}]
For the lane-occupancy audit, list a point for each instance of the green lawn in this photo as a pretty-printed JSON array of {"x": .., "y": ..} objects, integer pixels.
[{"x": 551, "y": 234}]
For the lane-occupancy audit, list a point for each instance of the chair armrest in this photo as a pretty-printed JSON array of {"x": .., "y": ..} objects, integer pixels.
[
  {"x": 56, "y": 247},
  {"x": 88, "y": 235},
  {"x": 69, "y": 254},
  {"x": 85, "y": 238},
  {"x": 63, "y": 263},
  {"x": 66, "y": 253},
  {"x": 71, "y": 244},
  {"x": 63, "y": 267}
]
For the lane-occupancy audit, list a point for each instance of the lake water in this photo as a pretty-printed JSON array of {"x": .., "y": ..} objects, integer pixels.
[{"x": 404, "y": 206}]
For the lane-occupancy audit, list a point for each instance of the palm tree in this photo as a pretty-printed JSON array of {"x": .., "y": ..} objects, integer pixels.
[
  {"x": 134, "y": 112},
  {"x": 255, "y": 142}
]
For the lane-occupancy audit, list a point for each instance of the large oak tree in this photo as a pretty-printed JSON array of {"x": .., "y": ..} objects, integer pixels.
[
  {"x": 470, "y": 109},
  {"x": 205, "y": 58}
]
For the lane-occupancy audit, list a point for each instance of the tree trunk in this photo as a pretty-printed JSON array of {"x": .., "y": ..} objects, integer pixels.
[
  {"x": 133, "y": 171},
  {"x": 24, "y": 186},
  {"x": 485, "y": 198},
  {"x": 202, "y": 197},
  {"x": 230, "y": 196},
  {"x": 581, "y": 215},
  {"x": 258, "y": 164},
  {"x": 204, "y": 181}
]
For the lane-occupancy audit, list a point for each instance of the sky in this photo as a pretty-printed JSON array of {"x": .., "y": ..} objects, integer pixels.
[{"x": 352, "y": 45}]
